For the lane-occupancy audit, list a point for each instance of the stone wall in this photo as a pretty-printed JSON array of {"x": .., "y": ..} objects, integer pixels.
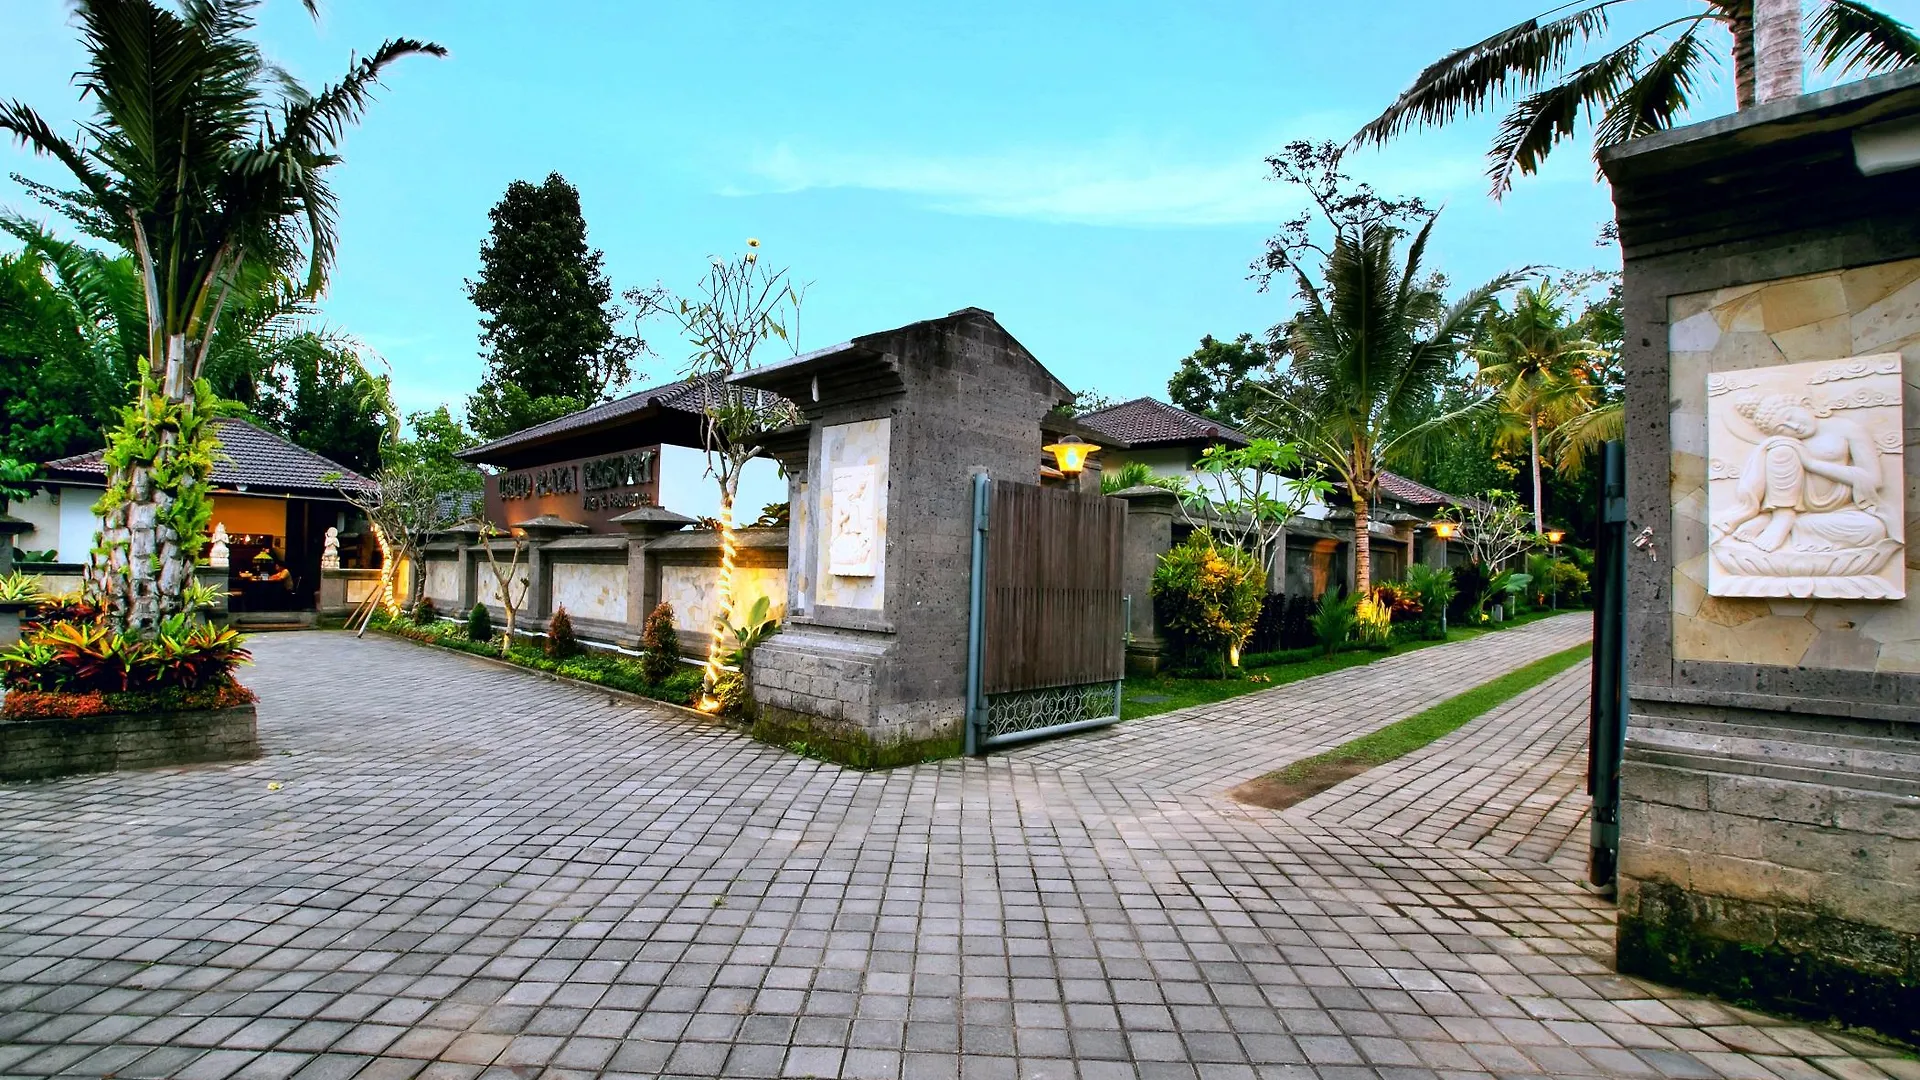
[
  {"x": 1771, "y": 783},
  {"x": 1838, "y": 313},
  {"x": 39, "y": 749}
]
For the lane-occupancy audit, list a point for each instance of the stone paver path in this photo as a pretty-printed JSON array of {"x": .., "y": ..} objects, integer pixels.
[{"x": 467, "y": 871}]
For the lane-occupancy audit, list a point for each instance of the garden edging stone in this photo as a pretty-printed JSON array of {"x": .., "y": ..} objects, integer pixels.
[{"x": 45, "y": 748}]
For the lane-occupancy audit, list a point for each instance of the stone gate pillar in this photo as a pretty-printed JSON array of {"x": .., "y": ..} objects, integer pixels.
[{"x": 871, "y": 666}]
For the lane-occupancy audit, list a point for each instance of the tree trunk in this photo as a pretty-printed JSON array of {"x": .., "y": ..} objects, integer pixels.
[
  {"x": 1778, "y": 55},
  {"x": 717, "y": 643},
  {"x": 1740, "y": 22},
  {"x": 1362, "y": 547},
  {"x": 1533, "y": 434}
]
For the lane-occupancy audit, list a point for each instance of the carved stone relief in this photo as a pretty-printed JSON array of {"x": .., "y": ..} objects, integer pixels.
[
  {"x": 852, "y": 542},
  {"x": 1805, "y": 480}
]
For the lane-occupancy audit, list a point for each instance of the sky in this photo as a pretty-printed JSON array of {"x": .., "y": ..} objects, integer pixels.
[{"x": 1092, "y": 173}]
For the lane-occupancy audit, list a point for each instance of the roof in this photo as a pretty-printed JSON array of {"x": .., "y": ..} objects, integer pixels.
[
  {"x": 1149, "y": 421},
  {"x": 1415, "y": 493},
  {"x": 253, "y": 459},
  {"x": 689, "y": 395}
]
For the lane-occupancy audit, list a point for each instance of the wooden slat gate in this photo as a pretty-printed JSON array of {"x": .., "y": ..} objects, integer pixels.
[{"x": 1048, "y": 628}]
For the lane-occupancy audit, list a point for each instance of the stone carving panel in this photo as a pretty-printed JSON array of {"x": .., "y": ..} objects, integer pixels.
[
  {"x": 853, "y": 543},
  {"x": 1805, "y": 480}
]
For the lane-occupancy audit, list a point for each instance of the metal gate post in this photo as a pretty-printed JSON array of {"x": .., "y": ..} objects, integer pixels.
[
  {"x": 977, "y": 617},
  {"x": 1607, "y": 717}
]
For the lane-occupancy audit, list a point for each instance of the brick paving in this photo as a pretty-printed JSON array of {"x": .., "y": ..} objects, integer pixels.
[{"x": 466, "y": 871}]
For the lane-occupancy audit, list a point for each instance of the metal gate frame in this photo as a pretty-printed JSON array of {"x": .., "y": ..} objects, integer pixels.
[
  {"x": 997, "y": 720},
  {"x": 1607, "y": 714}
]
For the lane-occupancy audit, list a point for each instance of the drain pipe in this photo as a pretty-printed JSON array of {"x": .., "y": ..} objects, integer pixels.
[{"x": 977, "y": 618}]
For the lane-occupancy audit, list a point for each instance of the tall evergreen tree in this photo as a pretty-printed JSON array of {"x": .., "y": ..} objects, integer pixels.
[{"x": 548, "y": 320}]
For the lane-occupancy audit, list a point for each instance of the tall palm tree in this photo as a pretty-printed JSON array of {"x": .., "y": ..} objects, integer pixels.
[
  {"x": 1642, "y": 84},
  {"x": 1537, "y": 360},
  {"x": 206, "y": 162},
  {"x": 1371, "y": 348}
]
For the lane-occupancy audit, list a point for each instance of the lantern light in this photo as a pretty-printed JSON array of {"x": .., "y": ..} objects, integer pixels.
[
  {"x": 1445, "y": 530},
  {"x": 1554, "y": 536},
  {"x": 1071, "y": 454}
]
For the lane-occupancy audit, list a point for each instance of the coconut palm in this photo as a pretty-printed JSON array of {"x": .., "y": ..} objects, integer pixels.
[
  {"x": 1371, "y": 348},
  {"x": 1537, "y": 361},
  {"x": 1641, "y": 84},
  {"x": 206, "y": 163}
]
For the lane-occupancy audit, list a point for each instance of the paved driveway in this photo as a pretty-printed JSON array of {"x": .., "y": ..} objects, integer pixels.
[{"x": 466, "y": 870}]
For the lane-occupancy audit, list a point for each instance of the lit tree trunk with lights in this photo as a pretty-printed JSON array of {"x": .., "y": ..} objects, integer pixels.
[{"x": 742, "y": 305}]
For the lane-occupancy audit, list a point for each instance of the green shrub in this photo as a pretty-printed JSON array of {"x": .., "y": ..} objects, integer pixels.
[
  {"x": 1333, "y": 622},
  {"x": 1208, "y": 596},
  {"x": 1432, "y": 587},
  {"x": 1372, "y": 622},
  {"x": 424, "y": 613},
  {"x": 183, "y": 652},
  {"x": 479, "y": 624},
  {"x": 660, "y": 644},
  {"x": 561, "y": 644}
]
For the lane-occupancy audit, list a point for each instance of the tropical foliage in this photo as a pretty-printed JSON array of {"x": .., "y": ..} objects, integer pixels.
[
  {"x": 659, "y": 644},
  {"x": 1375, "y": 340},
  {"x": 1333, "y": 621},
  {"x": 1532, "y": 355},
  {"x": 1207, "y": 594},
  {"x": 1567, "y": 66},
  {"x": 208, "y": 164},
  {"x": 74, "y": 657}
]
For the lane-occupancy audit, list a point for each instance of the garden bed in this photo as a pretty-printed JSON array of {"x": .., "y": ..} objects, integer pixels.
[
  {"x": 48, "y": 733},
  {"x": 600, "y": 669}
]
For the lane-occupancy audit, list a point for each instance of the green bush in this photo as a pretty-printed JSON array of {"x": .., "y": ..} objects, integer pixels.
[
  {"x": 1432, "y": 587},
  {"x": 1208, "y": 597},
  {"x": 1333, "y": 622},
  {"x": 479, "y": 624},
  {"x": 424, "y": 613},
  {"x": 660, "y": 644},
  {"x": 561, "y": 644}
]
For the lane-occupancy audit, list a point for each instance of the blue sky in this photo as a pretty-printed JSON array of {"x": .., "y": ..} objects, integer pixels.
[{"x": 1092, "y": 173}]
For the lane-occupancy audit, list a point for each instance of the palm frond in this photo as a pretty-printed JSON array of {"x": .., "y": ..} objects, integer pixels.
[
  {"x": 1573, "y": 441},
  {"x": 1848, "y": 36},
  {"x": 30, "y": 130},
  {"x": 1514, "y": 61},
  {"x": 1539, "y": 122},
  {"x": 1658, "y": 95}
]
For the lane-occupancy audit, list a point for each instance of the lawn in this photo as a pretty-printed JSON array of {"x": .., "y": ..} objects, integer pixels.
[{"x": 1155, "y": 694}]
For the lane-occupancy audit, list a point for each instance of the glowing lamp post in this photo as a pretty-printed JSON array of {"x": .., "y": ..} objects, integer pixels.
[
  {"x": 1554, "y": 536},
  {"x": 1445, "y": 530},
  {"x": 1071, "y": 455}
]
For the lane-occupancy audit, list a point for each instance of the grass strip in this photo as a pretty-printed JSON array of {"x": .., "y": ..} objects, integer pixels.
[
  {"x": 1170, "y": 692},
  {"x": 1309, "y": 776}
]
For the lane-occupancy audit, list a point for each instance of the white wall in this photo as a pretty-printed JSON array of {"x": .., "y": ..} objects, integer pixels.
[
  {"x": 62, "y": 520},
  {"x": 1177, "y": 462},
  {"x": 686, "y": 488}
]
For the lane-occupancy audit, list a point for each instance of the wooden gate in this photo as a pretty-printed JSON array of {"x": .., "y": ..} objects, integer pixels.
[{"x": 1048, "y": 627}]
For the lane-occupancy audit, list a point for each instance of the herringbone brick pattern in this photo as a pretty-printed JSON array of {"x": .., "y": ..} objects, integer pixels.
[{"x": 465, "y": 871}]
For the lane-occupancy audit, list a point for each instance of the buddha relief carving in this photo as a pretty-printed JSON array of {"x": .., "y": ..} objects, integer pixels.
[{"x": 1805, "y": 481}]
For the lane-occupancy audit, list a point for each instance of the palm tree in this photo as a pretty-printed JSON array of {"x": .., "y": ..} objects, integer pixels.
[
  {"x": 207, "y": 163},
  {"x": 1644, "y": 83},
  {"x": 1537, "y": 361},
  {"x": 1370, "y": 351}
]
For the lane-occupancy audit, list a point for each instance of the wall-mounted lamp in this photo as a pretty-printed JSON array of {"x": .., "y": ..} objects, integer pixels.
[{"x": 1071, "y": 454}]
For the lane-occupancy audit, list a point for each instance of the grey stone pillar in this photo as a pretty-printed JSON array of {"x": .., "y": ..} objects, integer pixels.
[
  {"x": 643, "y": 526},
  {"x": 1151, "y": 512},
  {"x": 541, "y": 531},
  {"x": 10, "y": 527}
]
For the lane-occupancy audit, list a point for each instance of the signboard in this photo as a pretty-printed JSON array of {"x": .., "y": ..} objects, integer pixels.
[{"x": 591, "y": 490}]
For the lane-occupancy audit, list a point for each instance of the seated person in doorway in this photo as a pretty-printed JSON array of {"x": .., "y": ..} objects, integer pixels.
[{"x": 267, "y": 568}]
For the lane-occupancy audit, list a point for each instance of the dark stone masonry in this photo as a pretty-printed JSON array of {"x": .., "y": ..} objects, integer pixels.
[{"x": 40, "y": 749}]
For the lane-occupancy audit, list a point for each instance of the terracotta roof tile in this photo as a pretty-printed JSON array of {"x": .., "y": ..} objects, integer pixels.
[
  {"x": 1148, "y": 421},
  {"x": 252, "y": 458}
]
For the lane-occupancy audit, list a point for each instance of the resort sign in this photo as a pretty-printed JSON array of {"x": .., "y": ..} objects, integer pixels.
[{"x": 591, "y": 490}]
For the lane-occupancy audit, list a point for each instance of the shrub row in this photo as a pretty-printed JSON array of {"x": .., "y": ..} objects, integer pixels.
[{"x": 679, "y": 686}]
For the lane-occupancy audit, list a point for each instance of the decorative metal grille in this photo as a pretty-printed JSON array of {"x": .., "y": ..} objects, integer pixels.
[{"x": 1026, "y": 713}]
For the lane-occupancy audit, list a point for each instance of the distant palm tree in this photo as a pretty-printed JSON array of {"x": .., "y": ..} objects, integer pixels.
[
  {"x": 207, "y": 163},
  {"x": 1371, "y": 349},
  {"x": 1535, "y": 357},
  {"x": 1641, "y": 85}
]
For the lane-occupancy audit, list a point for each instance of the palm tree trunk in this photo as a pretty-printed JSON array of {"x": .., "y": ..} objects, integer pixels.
[
  {"x": 1739, "y": 18},
  {"x": 1533, "y": 433},
  {"x": 1362, "y": 546},
  {"x": 1779, "y": 58}
]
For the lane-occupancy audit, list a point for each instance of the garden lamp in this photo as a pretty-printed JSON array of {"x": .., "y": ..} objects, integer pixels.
[
  {"x": 1445, "y": 529},
  {"x": 1071, "y": 454},
  {"x": 1554, "y": 536}
]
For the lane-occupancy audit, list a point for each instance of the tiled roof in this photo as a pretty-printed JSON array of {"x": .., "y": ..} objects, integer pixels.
[
  {"x": 251, "y": 458},
  {"x": 1415, "y": 493},
  {"x": 686, "y": 395},
  {"x": 1146, "y": 421}
]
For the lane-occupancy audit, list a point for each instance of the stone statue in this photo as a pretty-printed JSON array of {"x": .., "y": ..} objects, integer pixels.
[
  {"x": 1810, "y": 511},
  {"x": 217, "y": 553},
  {"x": 330, "y": 550}
]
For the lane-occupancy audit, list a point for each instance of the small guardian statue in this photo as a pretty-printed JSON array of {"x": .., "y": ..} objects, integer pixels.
[
  {"x": 217, "y": 553},
  {"x": 330, "y": 550}
]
